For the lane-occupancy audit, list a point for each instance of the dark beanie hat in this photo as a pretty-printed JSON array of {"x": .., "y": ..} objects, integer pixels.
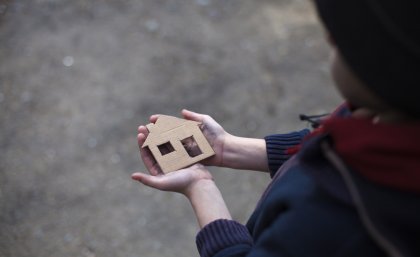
[{"x": 380, "y": 40}]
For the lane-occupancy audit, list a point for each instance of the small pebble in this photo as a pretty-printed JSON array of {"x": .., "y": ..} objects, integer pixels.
[
  {"x": 92, "y": 142},
  {"x": 68, "y": 238},
  {"x": 152, "y": 25},
  {"x": 68, "y": 61},
  {"x": 203, "y": 2}
]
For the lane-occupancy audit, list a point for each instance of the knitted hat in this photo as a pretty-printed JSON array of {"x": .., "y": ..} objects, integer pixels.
[{"x": 380, "y": 40}]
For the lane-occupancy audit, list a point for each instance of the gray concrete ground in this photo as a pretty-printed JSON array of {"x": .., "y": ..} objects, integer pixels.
[{"x": 77, "y": 78}]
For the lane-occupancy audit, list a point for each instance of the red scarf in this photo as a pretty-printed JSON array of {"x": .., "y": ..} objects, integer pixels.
[{"x": 388, "y": 154}]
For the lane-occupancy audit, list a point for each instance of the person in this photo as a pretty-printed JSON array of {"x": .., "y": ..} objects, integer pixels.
[{"x": 350, "y": 187}]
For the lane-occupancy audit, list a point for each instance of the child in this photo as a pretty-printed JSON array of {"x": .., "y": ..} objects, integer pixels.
[{"x": 349, "y": 188}]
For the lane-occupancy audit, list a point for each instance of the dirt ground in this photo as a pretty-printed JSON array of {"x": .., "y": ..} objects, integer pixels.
[{"x": 77, "y": 78}]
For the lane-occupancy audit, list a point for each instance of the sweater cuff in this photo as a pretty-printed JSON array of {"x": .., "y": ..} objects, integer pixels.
[
  {"x": 221, "y": 234},
  {"x": 277, "y": 146}
]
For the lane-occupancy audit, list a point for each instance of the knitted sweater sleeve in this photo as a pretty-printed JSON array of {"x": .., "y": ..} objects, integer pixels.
[
  {"x": 278, "y": 145},
  {"x": 227, "y": 236}
]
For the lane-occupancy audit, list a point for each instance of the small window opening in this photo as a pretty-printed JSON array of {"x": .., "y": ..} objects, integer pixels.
[
  {"x": 166, "y": 148},
  {"x": 191, "y": 146}
]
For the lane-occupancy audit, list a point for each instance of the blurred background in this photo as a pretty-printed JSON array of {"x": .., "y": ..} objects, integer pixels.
[{"x": 77, "y": 78}]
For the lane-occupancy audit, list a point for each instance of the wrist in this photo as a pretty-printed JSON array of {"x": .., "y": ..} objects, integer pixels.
[
  {"x": 245, "y": 153},
  {"x": 226, "y": 149},
  {"x": 199, "y": 187},
  {"x": 207, "y": 202},
  {"x": 231, "y": 151}
]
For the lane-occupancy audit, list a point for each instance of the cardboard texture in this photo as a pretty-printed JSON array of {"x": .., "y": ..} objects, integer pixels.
[{"x": 167, "y": 138}]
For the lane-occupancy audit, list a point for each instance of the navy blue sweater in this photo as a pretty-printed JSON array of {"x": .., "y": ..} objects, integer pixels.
[{"x": 310, "y": 209}]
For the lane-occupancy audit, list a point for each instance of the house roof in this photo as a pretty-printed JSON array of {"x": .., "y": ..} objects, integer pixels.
[{"x": 163, "y": 124}]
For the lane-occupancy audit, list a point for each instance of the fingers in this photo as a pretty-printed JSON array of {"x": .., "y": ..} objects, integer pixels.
[
  {"x": 143, "y": 132},
  {"x": 177, "y": 181},
  {"x": 153, "y": 118},
  {"x": 149, "y": 161},
  {"x": 145, "y": 154},
  {"x": 143, "y": 129},
  {"x": 158, "y": 182},
  {"x": 142, "y": 135},
  {"x": 189, "y": 115},
  {"x": 144, "y": 179}
]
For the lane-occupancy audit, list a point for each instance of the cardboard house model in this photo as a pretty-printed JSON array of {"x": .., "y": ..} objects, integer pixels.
[{"x": 176, "y": 143}]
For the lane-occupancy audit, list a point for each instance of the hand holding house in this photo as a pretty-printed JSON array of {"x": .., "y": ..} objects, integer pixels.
[{"x": 176, "y": 143}]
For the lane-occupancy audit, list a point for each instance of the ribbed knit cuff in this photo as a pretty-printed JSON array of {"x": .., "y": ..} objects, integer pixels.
[
  {"x": 277, "y": 146},
  {"x": 221, "y": 234}
]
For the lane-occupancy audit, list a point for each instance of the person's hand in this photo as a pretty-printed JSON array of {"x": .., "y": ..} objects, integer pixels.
[
  {"x": 177, "y": 181},
  {"x": 214, "y": 133},
  {"x": 182, "y": 181},
  {"x": 145, "y": 154},
  {"x": 195, "y": 182},
  {"x": 230, "y": 151}
]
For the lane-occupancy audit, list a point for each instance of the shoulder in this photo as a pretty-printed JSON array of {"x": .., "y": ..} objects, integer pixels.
[{"x": 301, "y": 217}]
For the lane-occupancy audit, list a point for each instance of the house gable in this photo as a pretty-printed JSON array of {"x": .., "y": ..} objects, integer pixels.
[{"x": 164, "y": 124}]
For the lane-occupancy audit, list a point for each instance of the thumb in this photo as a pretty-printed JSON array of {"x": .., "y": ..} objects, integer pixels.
[{"x": 189, "y": 115}]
